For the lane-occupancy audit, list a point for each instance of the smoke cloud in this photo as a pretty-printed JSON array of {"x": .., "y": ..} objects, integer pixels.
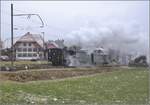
[{"x": 126, "y": 38}]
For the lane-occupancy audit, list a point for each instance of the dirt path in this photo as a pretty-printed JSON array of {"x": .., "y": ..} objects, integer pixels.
[{"x": 51, "y": 74}]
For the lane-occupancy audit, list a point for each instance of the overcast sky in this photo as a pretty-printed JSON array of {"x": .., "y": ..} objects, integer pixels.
[{"x": 81, "y": 22}]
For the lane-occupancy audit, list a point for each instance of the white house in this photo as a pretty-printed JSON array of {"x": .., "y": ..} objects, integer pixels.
[{"x": 29, "y": 46}]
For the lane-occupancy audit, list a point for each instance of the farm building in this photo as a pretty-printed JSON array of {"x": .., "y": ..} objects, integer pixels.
[{"x": 29, "y": 46}]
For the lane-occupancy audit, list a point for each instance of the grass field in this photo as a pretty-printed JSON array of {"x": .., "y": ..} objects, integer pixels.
[
  {"x": 18, "y": 63},
  {"x": 23, "y": 65},
  {"x": 128, "y": 86}
]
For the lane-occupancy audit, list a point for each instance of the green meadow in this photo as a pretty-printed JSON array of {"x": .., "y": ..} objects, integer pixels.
[{"x": 127, "y": 86}]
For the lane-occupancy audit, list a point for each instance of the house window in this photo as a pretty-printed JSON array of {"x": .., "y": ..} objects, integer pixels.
[
  {"x": 34, "y": 54},
  {"x": 40, "y": 49},
  {"x": 24, "y": 54},
  {"x": 19, "y": 49},
  {"x": 29, "y": 54},
  {"x": 35, "y": 49},
  {"x": 19, "y": 55},
  {"x": 24, "y": 49},
  {"x": 24, "y": 44},
  {"x": 29, "y": 49},
  {"x": 29, "y": 44}
]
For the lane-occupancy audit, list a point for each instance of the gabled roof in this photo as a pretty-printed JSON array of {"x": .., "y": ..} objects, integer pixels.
[
  {"x": 51, "y": 45},
  {"x": 55, "y": 44},
  {"x": 28, "y": 37}
]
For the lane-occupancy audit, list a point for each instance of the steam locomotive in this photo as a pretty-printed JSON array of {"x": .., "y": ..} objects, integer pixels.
[{"x": 64, "y": 57}]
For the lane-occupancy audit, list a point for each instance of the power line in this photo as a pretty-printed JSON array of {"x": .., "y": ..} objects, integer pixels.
[
  {"x": 8, "y": 24},
  {"x": 36, "y": 22},
  {"x": 20, "y": 11},
  {"x": 25, "y": 13},
  {"x": 33, "y": 21}
]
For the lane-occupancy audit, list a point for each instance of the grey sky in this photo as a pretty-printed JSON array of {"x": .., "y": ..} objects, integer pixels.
[{"x": 81, "y": 21}]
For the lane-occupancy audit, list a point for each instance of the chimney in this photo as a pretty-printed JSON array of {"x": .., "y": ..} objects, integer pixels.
[{"x": 28, "y": 32}]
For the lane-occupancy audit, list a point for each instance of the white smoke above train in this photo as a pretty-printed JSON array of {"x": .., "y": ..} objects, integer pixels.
[{"x": 127, "y": 38}]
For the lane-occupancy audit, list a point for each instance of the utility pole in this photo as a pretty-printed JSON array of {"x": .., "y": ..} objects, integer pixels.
[
  {"x": 149, "y": 54},
  {"x": 43, "y": 46},
  {"x": 43, "y": 35},
  {"x": 12, "y": 40}
]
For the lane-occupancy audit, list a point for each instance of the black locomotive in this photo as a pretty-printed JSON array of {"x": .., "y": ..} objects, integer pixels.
[{"x": 56, "y": 56}]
